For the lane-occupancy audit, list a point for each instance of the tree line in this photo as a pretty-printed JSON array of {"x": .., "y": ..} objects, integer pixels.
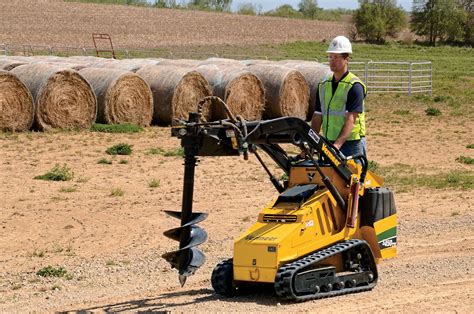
[{"x": 448, "y": 21}]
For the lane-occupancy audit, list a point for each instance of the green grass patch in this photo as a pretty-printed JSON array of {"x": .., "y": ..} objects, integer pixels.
[
  {"x": 401, "y": 112},
  {"x": 373, "y": 166},
  {"x": 177, "y": 152},
  {"x": 69, "y": 189},
  {"x": 123, "y": 162},
  {"x": 454, "y": 180},
  {"x": 50, "y": 271},
  {"x": 470, "y": 146},
  {"x": 117, "y": 192},
  {"x": 431, "y": 111},
  {"x": 465, "y": 160},
  {"x": 105, "y": 161},
  {"x": 57, "y": 173},
  {"x": 154, "y": 183},
  {"x": 116, "y": 128},
  {"x": 120, "y": 149}
]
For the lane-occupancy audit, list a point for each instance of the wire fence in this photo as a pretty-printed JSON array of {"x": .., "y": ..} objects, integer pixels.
[{"x": 379, "y": 76}]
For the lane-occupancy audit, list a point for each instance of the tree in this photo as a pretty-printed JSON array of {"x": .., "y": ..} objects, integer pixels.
[
  {"x": 468, "y": 7},
  {"x": 309, "y": 8},
  {"x": 438, "y": 20},
  {"x": 170, "y": 4},
  {"x": 215, "y": 5},
  {"x": 374, "y": 20},
  {"x": 284, "y": 10},
  {"x": 249, "y": 9}
]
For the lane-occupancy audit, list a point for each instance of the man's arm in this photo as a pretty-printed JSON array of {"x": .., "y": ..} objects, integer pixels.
[
  {"x": 346, "y": 129},
  {"x": 316, "y": 121}
]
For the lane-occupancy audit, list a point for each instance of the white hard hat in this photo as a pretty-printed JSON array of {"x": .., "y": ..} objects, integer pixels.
[{"x": 340, "y": 44}]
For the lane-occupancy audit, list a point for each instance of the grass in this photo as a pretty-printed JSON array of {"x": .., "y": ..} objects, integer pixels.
[
  {"x": 120, "y": 149},
  {"x": 401, "y": 112},
  {"x": 117, "y": 192},
  {"x": 154, "y": 183},
  {"x": 50, "y": 271},
  {"x": 465, "y": 160},
  {"x": 57, "y": 173},
  {"x": 373, "y": 166},
  {"x": 69, "y": 189},
  {"x": 470, "y": 146},
  {"x": 123, "y": 162},
  {"x": 455, "y": 179},
  {"x": 431, "y": 111},
  {"x": 116, "y": 128},
  {"x": 176, "y": 152},
  {"x": 105, "y": 161}
]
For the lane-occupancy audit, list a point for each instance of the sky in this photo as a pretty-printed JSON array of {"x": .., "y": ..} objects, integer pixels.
[{"x": 325, "y": 4}]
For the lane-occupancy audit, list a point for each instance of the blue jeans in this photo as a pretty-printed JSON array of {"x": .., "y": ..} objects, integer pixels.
[{"x": 352, "y": 148}]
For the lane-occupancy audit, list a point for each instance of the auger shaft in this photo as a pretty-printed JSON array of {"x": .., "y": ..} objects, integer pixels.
[{"x": 186, "y": 213}]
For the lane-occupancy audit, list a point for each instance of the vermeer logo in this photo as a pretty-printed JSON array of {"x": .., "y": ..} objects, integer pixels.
[{"x": 331, "y": 156}]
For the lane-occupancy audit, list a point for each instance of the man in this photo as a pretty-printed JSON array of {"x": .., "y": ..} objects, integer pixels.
[{"x": 340, "y": 102}]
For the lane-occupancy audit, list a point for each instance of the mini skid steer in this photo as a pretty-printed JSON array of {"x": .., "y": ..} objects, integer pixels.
[{"x": 331, "y": 223}]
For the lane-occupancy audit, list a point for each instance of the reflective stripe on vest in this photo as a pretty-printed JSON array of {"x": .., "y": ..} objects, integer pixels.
[{"x": 333, "y": 108}]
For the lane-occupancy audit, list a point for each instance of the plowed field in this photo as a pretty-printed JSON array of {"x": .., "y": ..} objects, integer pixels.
[{"x": 57, "y": 23}]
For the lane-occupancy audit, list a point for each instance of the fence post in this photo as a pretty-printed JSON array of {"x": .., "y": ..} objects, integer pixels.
[
  {"x": 366, "y": 74},
  {"x": 431, "y": 79},
  {"x": 410, "y": 73}
]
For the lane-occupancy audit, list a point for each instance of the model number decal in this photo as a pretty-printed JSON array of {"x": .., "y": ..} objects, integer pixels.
[{"x": 388, "y": 243}]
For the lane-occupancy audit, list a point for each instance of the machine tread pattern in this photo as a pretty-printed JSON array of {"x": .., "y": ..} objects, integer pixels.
[{"x": 284, "y": 279}]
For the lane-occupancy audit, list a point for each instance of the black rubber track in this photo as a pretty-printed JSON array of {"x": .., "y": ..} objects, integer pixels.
[{"x": 284, "y": 278}]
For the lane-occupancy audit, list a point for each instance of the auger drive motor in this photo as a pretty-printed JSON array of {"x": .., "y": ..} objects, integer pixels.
[{"x": 324, "y": 234}]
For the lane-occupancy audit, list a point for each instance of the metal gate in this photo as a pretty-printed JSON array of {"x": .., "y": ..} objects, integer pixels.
[{"x": 395, "y": 76}]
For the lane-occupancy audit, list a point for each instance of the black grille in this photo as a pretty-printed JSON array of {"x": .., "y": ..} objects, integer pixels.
[{"x": 279, "y": 218}]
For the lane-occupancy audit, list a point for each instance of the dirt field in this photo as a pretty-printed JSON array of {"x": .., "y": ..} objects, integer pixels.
[
  {"x": 111, "y": 245},
  {"x": 28, "y": 22}
]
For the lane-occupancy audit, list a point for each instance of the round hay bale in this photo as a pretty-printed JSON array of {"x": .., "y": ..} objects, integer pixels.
[
  {"x": 122, "y": 96},
  {"x": 132, "y": 65},
  {"x": 286, "y": 91},
  {"x": 250, "y": 62},
  {"x": 222, "y": 62},
  {"x": 314, "y": 73},
  {"x": 241, "y": 90},
  {"x": 62, "y": 97},
  {"x": 16, "y": 104},
  {"x": 8, "y": 64},
  {"x": 179, "y": 62},
  {"x": 176, "y": 92}
]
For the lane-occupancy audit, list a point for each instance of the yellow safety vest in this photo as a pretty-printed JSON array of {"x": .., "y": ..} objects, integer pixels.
[{"x": 333, "y": 108}]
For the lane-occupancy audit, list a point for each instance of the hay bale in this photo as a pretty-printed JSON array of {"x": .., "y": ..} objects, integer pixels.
[
  {"x": 16, "y": 104},
  {"x": 242, "y": 91},
  {"x": 62, "y": 97},
  {"x": 179, "y": 62},
  {"x": 132, "y": 65},
  {"x": 222, "y": 62},
  {"x": 8, "y": 64},
  {"x": 122, "y": 96},
  {"x": 314, "y": 73},
  {"x": 176, "y": 92},
  {"x": 286, "y": 91}
]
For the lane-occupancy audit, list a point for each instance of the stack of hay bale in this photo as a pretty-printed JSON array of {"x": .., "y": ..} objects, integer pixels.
[{"x": 47, "y": 92}]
